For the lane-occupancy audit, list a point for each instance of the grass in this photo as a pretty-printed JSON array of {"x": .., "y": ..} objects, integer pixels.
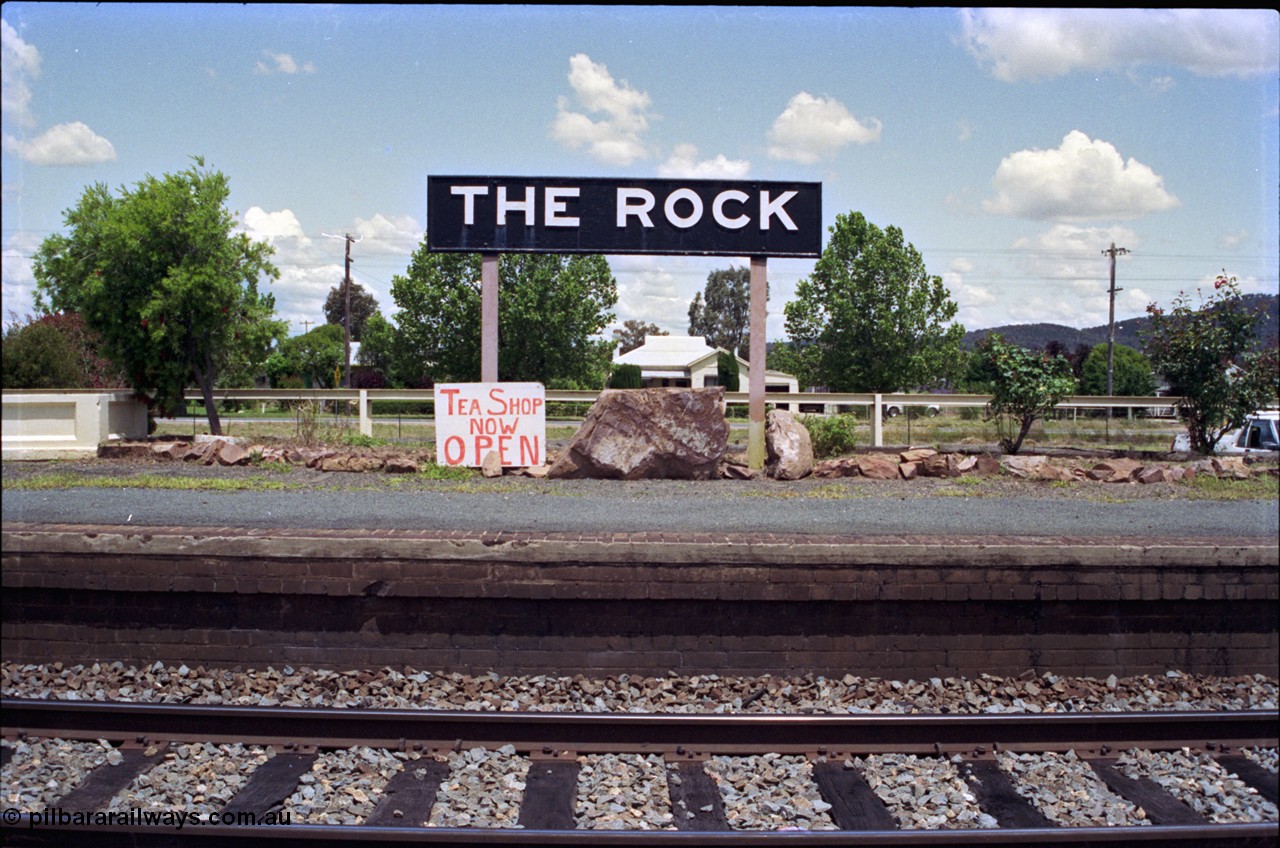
[{"x": 68, "y": 480}]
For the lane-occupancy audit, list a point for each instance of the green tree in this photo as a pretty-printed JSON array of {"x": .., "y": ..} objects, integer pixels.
[
  {"x": 378, "y": 348},
  {"x": 552, "y": 310},
  {"x": 1205, "y": 354},
  {"x": 1130, "y": 375},
  {"x": 1025, "y": 386},
  {"x": 874, "y": 318},
  {"x": 315, "y": 357},
  {"x": 161, "y": 275},
  {"x": 721, "y": 312},
  {"x": 631, "y": 335},
  {"x": 363, "y": 306},
  {"x": 56, "y": 352},
  {"x": 791, "y": 358},
  {"x": 727, "y": 371}
]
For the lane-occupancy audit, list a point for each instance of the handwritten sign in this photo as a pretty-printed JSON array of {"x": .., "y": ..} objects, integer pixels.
[{"x": 473, "y": 419}]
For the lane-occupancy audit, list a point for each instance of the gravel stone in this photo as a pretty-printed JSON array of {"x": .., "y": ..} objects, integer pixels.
[
  {"x": 343, "y": 787},
  {"x": 408, "y": 688},
  {"x": 1265, "y": 757},
  {"x": 1068, "y": 792},
  {"x": 623, "y": 792},
  {"x": 484, "y": 789},
  {"x": 1201, "y": 783},
  {"x": 197, "y": 778},
  {"x": 769, "y": 792},
  {"x": 922, "y": 792},
  {"x": 43, "y": 770}
]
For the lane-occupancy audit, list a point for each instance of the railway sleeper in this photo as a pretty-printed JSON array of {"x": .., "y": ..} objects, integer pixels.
[{"x": 548, "y": 802}]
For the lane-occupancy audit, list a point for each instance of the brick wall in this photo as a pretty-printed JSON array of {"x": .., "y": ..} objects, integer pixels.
[{"x": 613, "y": 604}]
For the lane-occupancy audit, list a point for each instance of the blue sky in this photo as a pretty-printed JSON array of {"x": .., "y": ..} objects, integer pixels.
[{"x": 1011, "y": 146}]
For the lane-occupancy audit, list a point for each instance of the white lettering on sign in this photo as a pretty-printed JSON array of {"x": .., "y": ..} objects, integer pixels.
[
  {"x": 469, "y": 194},
  {"x": 717, "y": 209},
  {"x": 473, "y": 419},
  {"x": 769, "y": 208},
  {"x": 634, "y": 201},
  {"x": 554, "y": 206},
  {"x": 525, "y": 207}
]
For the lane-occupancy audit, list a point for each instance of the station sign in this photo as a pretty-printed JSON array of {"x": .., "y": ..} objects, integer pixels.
[
  {"x": 473, "y": 419},
  {"x": 623, "y": 216}
]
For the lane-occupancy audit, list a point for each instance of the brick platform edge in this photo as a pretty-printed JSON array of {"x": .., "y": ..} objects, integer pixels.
[{"x": 647, "y": 603}]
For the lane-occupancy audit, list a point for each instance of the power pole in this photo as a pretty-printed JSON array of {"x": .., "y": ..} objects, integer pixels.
[
  {"x": 306, "y": 326},
  {"x": 1113, "y": 252},
  {"x": 346, "y": 309}
]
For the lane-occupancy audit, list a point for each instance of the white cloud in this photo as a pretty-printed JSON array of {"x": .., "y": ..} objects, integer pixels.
[
  {"x": 683, "y": 163},
  {"x": 812, "y": 128},
  {"x": 1081, "y": 180},
  {"x": 19, "y": 61},
  {"x": 380, "y": 234},
  {"x": 617, "y": 137},
  {"x": 282, "y": 63},
  {"x": 1027, "y": 44},
  {"x": 261, "y": 225},
  {"x": 19, "y": 282},
  {"x": 64, "y": 144},
  {"x": 1234, "y": 241}
]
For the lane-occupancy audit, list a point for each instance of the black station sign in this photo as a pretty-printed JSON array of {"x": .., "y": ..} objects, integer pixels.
[{"x": 621, "y": 216}]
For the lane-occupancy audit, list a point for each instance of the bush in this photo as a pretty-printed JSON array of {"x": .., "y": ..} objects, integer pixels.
[
  {"x": 625, "y": 377},
  {"x": 727, "y": 371},
  {"x": 832, "y": 435}
]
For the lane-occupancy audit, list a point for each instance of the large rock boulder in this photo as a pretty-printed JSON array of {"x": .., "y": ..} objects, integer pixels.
[
  {"x": 788, "y": 446},
  {"x": 639, "y": 434}
]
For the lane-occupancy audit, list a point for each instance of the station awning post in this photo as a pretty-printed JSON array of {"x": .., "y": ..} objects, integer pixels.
[{"x": 756, "y": 363}]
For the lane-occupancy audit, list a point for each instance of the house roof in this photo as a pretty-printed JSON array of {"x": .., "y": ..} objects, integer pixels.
[{"x": 668, "y": 352}]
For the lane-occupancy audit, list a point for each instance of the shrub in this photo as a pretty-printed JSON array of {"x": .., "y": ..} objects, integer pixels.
[
  {"x": 727, "y": 371},
  {"x": 625, "y": 377},
  {"x": 832, "y": 435}
]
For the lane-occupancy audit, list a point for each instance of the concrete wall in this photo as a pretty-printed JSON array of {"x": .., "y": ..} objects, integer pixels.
[{"x": 64, "y": 425}]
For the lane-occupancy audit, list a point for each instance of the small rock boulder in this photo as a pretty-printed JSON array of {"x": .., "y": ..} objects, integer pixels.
[
  {"x": 788, "y": 446},
  {"x": 877, "y": 468},
  {"x": 491, "y": 465},
  {"x": 638, "y": 434}
]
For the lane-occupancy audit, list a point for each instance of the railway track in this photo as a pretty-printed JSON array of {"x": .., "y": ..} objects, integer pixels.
[{"x": 695, "y": 754}]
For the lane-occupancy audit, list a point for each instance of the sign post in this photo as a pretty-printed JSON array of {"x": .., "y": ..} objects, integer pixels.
[{"x": 756, "y": 219}]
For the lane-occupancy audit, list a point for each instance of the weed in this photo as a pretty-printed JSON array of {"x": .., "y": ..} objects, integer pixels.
[{"x": 446, "y": 472}]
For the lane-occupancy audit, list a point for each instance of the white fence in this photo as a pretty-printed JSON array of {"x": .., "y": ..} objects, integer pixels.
[{"x": 829, "y": 401}]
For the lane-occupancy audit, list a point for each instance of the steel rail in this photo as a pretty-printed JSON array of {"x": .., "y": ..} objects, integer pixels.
[
  {"x": 355, "y": 836},
  {"x": 666, "y": 733}
]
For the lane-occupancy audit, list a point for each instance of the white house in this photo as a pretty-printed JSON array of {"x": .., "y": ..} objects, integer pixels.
[{"x": 689, "y": 362}]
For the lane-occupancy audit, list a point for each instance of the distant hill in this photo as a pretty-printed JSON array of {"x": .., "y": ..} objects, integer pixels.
[{"x": 1128, "y": 332}]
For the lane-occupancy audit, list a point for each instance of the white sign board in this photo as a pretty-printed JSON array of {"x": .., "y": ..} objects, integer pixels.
[{"x": 473, "y": 419}]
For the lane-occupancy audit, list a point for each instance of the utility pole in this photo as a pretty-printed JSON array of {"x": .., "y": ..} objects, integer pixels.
[
  {"x": 346, "y": 308},
  {"x": 306, "y": 326},
  {"x": 1113, "y": 252}
]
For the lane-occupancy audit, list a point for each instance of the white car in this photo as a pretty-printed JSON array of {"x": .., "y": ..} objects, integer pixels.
[
  {"x": 893, "y": 410},
  {"x": 1260, "y": 434}
]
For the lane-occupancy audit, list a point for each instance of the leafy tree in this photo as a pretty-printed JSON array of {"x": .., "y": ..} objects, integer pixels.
[
  {"x": 626, "y": 376},
  {"x": 363, "y": 306},
  {"x": 56, "y": 352},
  {"x": 632, "y": 333},
  {"x": 1206, "y": 356},
  {"x": 721, "y": 312},
  {"x": 551, "y": 312},
  {"x": 315, "y": 357},
  {"x": 791, "y": 358},
  {"x": 727, "y": 371},
  {"x": 161, "y": 275},
  {"x": 1130, "y": 375},
  {"x": 1025, "y": 386},
  {"x": 877, "y": 322},
  {"x": 378, "y": 348}
]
